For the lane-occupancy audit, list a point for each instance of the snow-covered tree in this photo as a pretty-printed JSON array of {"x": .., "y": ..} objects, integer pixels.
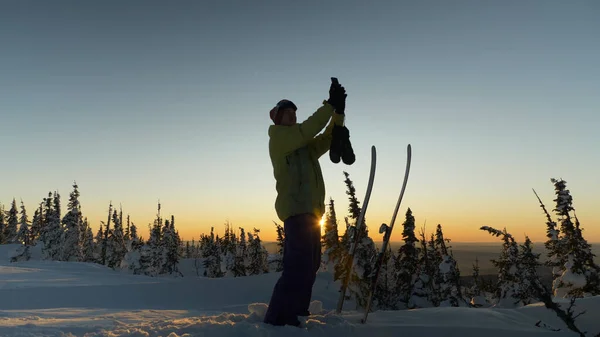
[
  {"x": 423, "y": 288},
  {"x": 104, "y": 236},
  {"x": 331, "y": 241},
  {"x": 212, "y": 255},
  {"x": 228, "y": 249},
  {"x": 580, "y": 275},
  {"x": 24, "y": 233},
  {"x": 51, "y": 232},
  {"x": 359, "y": 284},
  {"x": 2, "y": 225},
  {"x": 12, "y": 224},
  {"x": 133, "y": 261},
  {"x": 239, "y": 266},
  {"x": 258, "y": 256},
  {"x": 116, "y": 249},
  {"x": 171, "y": 242},
  {"x": 278, "y": 260},
  {"x": 88, "y": 246},
  {"x": 37, "y": 223},
  {"x": 530, "y": 281},
  {"x": 475, "y": 291},
  {"x": 73, "y": 223},
  {"x": 509, "y": 273},
  {"x": 450, "y": 287},
  {"x": 407, "y": 261},
  {"x": 552, "y": 244},
  {"x": 385, "y": 296}
]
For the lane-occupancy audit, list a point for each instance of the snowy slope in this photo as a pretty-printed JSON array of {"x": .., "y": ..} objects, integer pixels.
[{"x": 46, "y": 298}]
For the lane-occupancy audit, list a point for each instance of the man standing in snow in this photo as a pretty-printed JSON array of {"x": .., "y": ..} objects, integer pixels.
[{"x": 295, "y": 149}]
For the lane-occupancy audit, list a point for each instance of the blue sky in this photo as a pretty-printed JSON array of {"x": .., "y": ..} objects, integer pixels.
[{"x": 148, "y": 100}]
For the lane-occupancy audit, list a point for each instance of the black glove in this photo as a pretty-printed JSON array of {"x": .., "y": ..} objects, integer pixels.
[{"x": 337, "y": 98}]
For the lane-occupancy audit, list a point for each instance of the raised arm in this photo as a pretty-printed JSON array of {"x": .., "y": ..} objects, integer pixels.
[
  {"x": 289, "y": 138},
  {"x": 322, "y": 142}
]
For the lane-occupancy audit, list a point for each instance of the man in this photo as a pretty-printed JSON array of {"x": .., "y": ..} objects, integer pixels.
[{"x": 295, "y": 149}]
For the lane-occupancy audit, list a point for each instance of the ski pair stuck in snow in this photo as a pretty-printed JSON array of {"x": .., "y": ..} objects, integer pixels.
[{"x": 386, "y": 230}]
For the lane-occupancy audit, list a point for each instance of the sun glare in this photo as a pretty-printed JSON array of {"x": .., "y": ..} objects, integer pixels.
[{"x": 322, "y": 222}]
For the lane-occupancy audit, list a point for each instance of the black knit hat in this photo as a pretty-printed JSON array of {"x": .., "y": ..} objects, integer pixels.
[{"x": 284, "y": 104}]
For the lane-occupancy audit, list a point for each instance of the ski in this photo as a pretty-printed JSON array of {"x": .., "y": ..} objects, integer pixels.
[
  {"x": 387, "y": 232},
  {"x": 355, "y": 239}
]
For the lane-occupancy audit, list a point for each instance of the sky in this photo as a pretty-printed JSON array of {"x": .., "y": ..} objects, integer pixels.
[{"x": 148, "y": 101}]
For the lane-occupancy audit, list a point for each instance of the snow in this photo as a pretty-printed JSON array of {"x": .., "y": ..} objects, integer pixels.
[{"x": 50, "y": 298}]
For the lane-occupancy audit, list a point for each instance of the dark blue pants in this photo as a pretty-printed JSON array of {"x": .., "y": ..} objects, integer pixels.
[{"x": 301, "y": 261}]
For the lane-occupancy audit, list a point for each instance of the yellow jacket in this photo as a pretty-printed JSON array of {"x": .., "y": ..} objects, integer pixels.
[{"x": 295, "y": 151}]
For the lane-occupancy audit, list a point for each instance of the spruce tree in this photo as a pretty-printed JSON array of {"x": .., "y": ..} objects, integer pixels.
[
  {"x": 530, "y": 281},
  {"x": 407, "y": 261},
  {"x": 239, "y": 267},
  {"x": 331, "y": 242},
  {"x": 359, "y": 284},
  {"x": 12, "y": 223},
  {"x": 2, "y": 225},
  {"x": 508, "y": 289},
  {"x": 37, "y": 222},
  {"x": 421, "y": 296},
  {"x": 476, "y": 292},
  {"x": 104, "y": 235},
  {"x": 580, "y": 274},
  {"x": 435, "y": 259},
  {"x": 552, "y": 244},
  {"x": 116, "y": 249},
  {"x": 450, "y": 287},
  {"x": 280, "y": 246},
  {"x": 87, "y": 243},
  {"x": 171, "y": 242},
  {"x": 24, "y": 234},
  {"x": 212, "y": 256},
  {"x": 258, "y": 256},
  {"x": 51, "y": 233},
  {"x": 73, "y": 224}
]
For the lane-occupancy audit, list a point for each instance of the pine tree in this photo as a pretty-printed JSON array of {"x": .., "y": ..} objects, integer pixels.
[
  {"x": 552, "y": 244},
  {"x": 476, "y": 291},
  {"x": 258, "y": 256},
  {"x": 155, "y": 249},
  {"x": 579, "y": 276},
  {"x": 359, "y": 284},
  {"x": 331, "y": 242},
  {"x": 230, "y": 243},
  {"x": 508, "y": 286},
  {"x": 51, "y": 232},
  {"x": 2, "y": 225},
  {"x": 530, "y": 281},
  {"x": 88, "y": 247},
  {"x": 435, "y": 259},
  {"x": 212, "y": 256},
  {"x": 450, "y": 287},
  {"x": 105, "y": 233},
  {"x": 280, "y": 246},
  {"x": 12, "y": 223},
  {"x": 239, "y": 267},
  {"x": 422, "y": 291},
  {"x": 24, "y": 234},
  {"x": 136, "y": 259},
  {"x": 73, "y": 223},
  {"x": 116, "y": 250},
  {"x": 127, "y": 236},
  {"x": 592, "y": 270},
  {"x": 171, "y": 242},
  {"x": 407, "y": 262},
  {"x": 37, "y": 222}
]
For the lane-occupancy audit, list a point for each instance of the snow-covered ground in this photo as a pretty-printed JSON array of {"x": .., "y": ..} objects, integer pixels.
[{"x": 45, "y": 298}]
